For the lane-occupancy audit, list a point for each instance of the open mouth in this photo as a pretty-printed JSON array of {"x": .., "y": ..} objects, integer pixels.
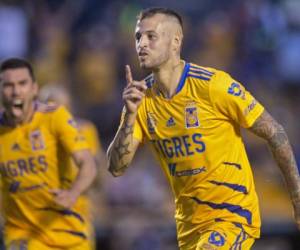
[
  {"x": 18, "y": 104},
  {"x": 17, "y": 108}
]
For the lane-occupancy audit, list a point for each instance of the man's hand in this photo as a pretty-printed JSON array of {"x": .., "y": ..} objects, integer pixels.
[
  {"x": 65, "y": 198},
  {"x": 133, "y": 93}
]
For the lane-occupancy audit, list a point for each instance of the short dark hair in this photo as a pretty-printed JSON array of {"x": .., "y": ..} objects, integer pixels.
[
  {"x": 15, "y": 63},
  {"x": 160, "y": 10}
]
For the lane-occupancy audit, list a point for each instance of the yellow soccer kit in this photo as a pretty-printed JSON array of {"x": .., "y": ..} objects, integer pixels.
[
  {"x": 197, "y": 140},
  {"x": 29, "y": 167},
  {"x": 69, "y": 172}
]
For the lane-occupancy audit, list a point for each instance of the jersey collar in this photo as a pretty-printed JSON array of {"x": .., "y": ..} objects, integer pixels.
[{"x": 183, "y": 77}]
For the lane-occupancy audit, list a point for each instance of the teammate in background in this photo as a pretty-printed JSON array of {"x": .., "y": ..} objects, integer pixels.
[
  {"x": 60, "y": 95},
  {"x": 191, "y": 116},
  {"x": 38, "y": 212}
]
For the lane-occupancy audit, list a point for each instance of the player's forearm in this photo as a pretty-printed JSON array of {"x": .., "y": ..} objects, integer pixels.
[
  {"x": 86, "y": 173},
  {"x": 121, "y": 152},
  {"x": 284, "y": 156},
  {"x": 268, "y": 128}
]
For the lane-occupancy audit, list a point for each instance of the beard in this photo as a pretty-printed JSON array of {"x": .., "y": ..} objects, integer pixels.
[{"x": 153, "y": 64}]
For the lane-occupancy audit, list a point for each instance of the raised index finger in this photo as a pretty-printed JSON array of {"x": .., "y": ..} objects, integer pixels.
[{"x": 129, "y": 79}]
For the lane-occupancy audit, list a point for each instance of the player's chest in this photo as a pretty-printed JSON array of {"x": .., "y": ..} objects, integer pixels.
[
  {"x": 24, "y": 141},
  {"x": 175, "y": 118}
]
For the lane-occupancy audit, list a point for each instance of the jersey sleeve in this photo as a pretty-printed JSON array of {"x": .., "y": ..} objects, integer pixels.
[
  {"x": 66, "y": 129},
  {"x": 137, "y": 129},
  {"x": 89, "y": 130},
  {"x": 232, "y": 101}
]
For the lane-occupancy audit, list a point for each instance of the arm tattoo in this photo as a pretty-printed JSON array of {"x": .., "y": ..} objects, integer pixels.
[
  {"x": 267, "y": 128},
  {"x": 121, "y": 148}
]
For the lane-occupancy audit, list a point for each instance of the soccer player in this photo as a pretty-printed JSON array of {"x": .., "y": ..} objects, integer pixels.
[
  {"x": 39, "y": 212},
  {"x": 191, "y": 116},
  {"x": 61, "y": 96}
]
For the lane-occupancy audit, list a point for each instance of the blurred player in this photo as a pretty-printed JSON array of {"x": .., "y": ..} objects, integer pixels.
[
  {"x": 191, "y": 116},
  {"x": 59, "y": 95},
  {"x": 39, "y": 212}
]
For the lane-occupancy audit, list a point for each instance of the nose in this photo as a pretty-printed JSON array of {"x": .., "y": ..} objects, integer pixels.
[
  {"x": 143, "y": 41},
  {"x": 16, "y": 90}
]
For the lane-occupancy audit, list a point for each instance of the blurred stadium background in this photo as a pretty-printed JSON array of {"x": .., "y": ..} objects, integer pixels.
[{"x": 84, "y": 45}]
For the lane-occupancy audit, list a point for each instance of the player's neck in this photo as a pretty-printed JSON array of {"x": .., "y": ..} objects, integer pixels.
[{"x": 168, "y": 76}]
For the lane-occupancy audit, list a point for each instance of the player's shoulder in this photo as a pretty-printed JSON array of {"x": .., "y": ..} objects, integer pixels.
[
  {"x": 208, "y": 74},
  {"x": 47, "y": 108},
  {"x": 215, "y": 77},
  {"x": 200, "y": 73},
  {"x": 84, "y": 123}
]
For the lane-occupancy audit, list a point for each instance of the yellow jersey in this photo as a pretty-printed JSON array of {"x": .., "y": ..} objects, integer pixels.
[
  {"x": 69, "y": 170},
  {"x": 197, "y": 140},
  {"x": 29, "y": 167}
]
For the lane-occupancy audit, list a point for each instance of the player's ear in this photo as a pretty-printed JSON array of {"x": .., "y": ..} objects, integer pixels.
[
  {"x": 35, "y": 88},
  {"x": 177, "y": 40}
]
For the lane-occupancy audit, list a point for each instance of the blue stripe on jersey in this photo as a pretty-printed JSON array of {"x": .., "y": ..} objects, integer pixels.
[
  {"x": 202, "y": 69},
  {"x": 236, "y": 209},
  {"x": 149, "y": 80},
  {"x": 198, "y": 76},
  {"x": 235, "y": 187},
  {"x": 238, "y": 243},
  {"x": 242, "y": 241},
  {"x": 76, "y": 233},
  {"x": 67, "y": 212},
  {"x": 183, "y": 77},
  {"x": 200, "y": 72},
  {"x": 235, "y": 244},
  {"x": 233, "y": 164}
]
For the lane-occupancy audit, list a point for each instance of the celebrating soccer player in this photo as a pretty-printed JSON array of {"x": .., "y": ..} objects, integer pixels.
[
  {"x": 39, "y": 213},
  {"x": 59, "y": 95},
  {"x": 191, "y": 116}
]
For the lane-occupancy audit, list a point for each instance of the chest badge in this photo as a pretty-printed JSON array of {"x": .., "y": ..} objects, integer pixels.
[
  {"x": 37, "y": 140},
  {"x": 191, "y": 116}
]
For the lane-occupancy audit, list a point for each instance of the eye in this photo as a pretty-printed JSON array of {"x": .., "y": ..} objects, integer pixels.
[
  {"x": 23, "y": 82},
  {"x": 151, "y": 36},
  {"x": 7, "y": 85}
]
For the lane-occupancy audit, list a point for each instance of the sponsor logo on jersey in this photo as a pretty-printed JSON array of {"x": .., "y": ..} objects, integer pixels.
[
  {"x": 191, "y": 116},
  {"x": 236, "y": 90},
  {"x": 184, "y": 172},
  {"x": 16, "y": 186},
  {"x": 151, "y": 122},
  {"x": 36, "y": 140},
  {"x": 216, "y": 239},
  {"x": 250, "y": 107}
]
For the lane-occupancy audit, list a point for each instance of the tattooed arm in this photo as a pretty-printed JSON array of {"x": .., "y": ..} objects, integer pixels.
[
  {"x": 123, "y": 147},
  {"x": 267, "y": 128}
]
